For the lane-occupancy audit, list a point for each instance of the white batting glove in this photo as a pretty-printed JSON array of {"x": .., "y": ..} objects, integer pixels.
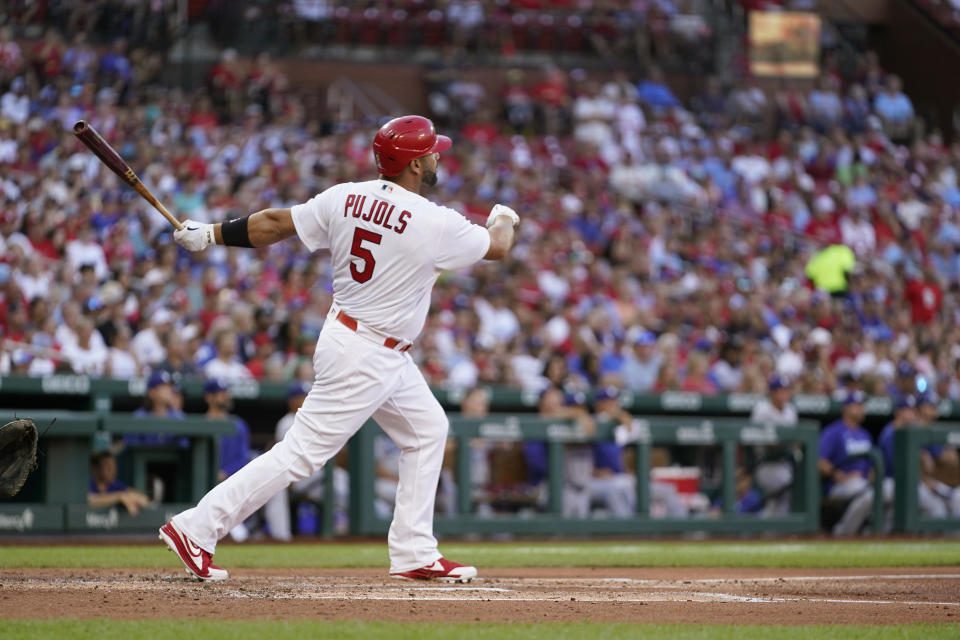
[
  {"x": 195, "y": 236},
  {"x": 502, "y": 210}
]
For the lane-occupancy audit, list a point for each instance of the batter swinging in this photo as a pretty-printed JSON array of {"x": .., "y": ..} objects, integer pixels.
[{"x": 388, "y": 244}]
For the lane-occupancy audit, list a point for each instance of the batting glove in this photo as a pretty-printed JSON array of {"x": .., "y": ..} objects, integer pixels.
[
  {"x": 502, "y": 210},
  {"x": 195, "y": 236}
]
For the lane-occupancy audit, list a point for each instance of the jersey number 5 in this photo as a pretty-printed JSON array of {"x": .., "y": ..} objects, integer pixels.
[{"x": 358, "y": 250}]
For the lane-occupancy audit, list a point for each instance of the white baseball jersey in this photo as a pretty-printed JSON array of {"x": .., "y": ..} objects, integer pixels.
[
  {"x": 764, "y": 412},
  {"x": 387, "y": 245}
]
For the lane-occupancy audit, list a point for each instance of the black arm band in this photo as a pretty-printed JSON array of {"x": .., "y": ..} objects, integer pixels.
[{"x": 235, "y": 234}]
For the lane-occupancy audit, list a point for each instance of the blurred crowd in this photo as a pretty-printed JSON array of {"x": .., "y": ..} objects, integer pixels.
[
  {"x": 672, "y": 31},
  {"x": 667, "y": 244},
  {"x": 151, "y": 23},
  {"x": 610, "y": 28},
  {"x": 683, "y": 247}
]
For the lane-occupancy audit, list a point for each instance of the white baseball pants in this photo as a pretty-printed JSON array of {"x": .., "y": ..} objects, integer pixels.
[
  {"x": 859, "y": 491},
  {"x": 356, "y": 378},
  {"x": 618, "y": 493}
]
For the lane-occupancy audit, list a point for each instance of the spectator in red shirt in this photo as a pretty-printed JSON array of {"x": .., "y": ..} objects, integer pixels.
[
  {"x": 482, "y": 130},
  {"x": 48, "y": 55},
  {"x": 41, "y": 239},
  {"x": 264, "y": 348},
  {"x": 10, "y": 57},
  {"x": 203, "y": 114},
  {"x": 551, "y": 97},
  {"x": 696, "y": 379},
  {"x": 886, "y": 228},
  {"x": 924, "y": 296},
  {"x": 552, "y": 90},
  {"x": 823, "y": 227}
]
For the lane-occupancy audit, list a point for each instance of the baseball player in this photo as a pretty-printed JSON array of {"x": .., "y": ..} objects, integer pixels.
[
  {"x": 611, "y": 484},
  {"x": 846, "y": 473},
  {"x": 936, "y": 498},
  {"x": 774, "y": 472},
  {"x": 904, "y": 416},
  {"x": 388, "y": 244}
]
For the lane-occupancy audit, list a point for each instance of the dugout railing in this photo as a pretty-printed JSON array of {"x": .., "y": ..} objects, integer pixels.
[
  {"x": 725, "y": 433},
  {"x": 54, "y": 498},
  {"x": 878, "y": 515},
  {"x": 59, "y": 485},
  {"x": 103, "y": 394},
  {"x": 877, "y": 520},
  {"x": 907, "y": 444}
]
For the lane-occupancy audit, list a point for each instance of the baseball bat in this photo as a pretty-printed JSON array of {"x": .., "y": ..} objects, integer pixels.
[{"x": 95, "y": 142}]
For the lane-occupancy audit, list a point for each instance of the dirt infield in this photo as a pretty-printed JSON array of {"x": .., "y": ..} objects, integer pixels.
[{"x": 755, "y": 596}]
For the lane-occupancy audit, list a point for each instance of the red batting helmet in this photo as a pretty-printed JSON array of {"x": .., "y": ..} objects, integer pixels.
[{"x": 403, "y": 139}]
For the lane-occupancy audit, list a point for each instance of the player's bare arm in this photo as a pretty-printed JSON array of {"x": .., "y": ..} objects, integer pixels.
[
  {"x": 256, "y": 230},
  {"x": 825, "y": 467},
  {"x": 501, "y": 239},
  {"x": 501, "y": 224},
  {"x": 581, "y": 415}
]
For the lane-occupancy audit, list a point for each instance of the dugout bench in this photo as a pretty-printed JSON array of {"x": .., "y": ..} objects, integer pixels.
[
  {"x": 725, "y": 433},
  {"x": 54, "y": 499}
]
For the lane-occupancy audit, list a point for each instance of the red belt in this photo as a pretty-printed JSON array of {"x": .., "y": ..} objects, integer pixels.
[{"x": 350, "y": 323}]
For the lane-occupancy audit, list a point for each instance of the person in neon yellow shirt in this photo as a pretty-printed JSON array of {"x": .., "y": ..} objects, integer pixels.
[{"x": 828, "y": 268}]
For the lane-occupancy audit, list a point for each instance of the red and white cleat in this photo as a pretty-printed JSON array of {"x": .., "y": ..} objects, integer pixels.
[
  {"x": 443, "y": 570},
  {"x": 198, "y": 562}
]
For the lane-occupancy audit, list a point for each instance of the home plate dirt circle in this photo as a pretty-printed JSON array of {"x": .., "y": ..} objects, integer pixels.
[{"x": 655, "y": 595}]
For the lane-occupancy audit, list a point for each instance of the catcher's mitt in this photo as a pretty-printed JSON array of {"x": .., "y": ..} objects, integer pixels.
[{"x": 18, "y": 455}]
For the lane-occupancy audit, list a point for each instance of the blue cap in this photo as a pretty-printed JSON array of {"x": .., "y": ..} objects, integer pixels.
[
  {"x": 854, "y": 397},
  {"x": 215, "y": 385},
  {"x": 928, "y": 397},
  {"x": 703, "y": 345},
  {"x": 883, "y": 334},
  {"x": 606, "y": 393},
  {"x": 298, "y": 389},
  {"x": 158, "y": 378},
  {"x": 574, "y": 399},
  {"x": 777, "y": 382},
  {"x": 646, "y": 338},
  {"x": 905, "y": 402},
  {"x": 905, "y": 369}
]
